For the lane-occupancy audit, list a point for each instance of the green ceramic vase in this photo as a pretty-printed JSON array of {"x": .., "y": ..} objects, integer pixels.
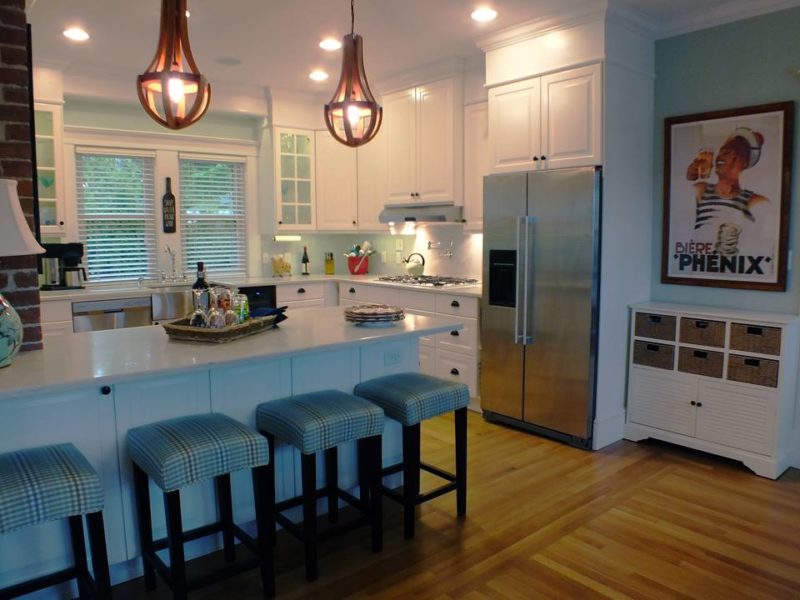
[{"x": 10, "y": 332}]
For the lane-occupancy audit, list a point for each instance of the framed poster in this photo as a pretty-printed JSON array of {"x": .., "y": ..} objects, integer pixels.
[{"x": 726, "y": 198}]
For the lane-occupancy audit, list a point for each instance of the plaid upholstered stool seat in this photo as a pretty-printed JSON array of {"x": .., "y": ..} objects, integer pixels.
[
  {"x": 187, "y": 450},
  {"x": 51, "y": 483},
  {"x": 319, "y": 422},
  {"x": 411, "y": 398}
]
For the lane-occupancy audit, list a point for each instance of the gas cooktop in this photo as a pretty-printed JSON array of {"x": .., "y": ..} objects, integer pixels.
[{"x": 428, "y": 280}]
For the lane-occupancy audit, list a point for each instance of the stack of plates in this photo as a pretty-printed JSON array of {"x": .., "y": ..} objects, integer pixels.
[{"x": 373, "y": 315}]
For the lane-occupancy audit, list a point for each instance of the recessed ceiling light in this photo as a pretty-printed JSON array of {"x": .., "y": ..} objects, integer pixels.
[
  {"x": 330, "y": 44},
  {"x": 76, "y": 34},
  {"x": 318, "y": 75},
  {"x": 484, "y": 14}
]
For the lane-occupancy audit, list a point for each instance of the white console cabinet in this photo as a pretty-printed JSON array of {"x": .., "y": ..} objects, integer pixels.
[{"x": 720, "y": 381}]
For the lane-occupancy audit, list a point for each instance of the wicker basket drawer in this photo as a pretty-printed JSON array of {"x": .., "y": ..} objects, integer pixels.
[
  {"x": 650, "y": 325},
  {"x": 661, "y": 356},
  {"x": 703, "y": 332},
  {"x": 758, "y": 371},
  {"x": 700, "y": 362},
  {"x": 755, "y": 338}
]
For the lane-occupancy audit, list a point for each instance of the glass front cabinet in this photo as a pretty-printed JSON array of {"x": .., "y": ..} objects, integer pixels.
[
  {"x": 48, "y": 122},
  {"x": 294, "y": 177}
]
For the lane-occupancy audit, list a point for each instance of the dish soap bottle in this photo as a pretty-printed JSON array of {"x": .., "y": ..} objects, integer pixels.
[{"x": 305, "y": 260}]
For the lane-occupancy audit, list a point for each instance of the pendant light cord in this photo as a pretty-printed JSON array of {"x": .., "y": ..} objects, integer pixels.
[{"x": 352, "y": 17}]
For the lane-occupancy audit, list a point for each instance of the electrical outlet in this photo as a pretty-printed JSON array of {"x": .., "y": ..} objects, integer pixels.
[
  {"x": 398, "y": 257},
  {"x": 383, "y": 256},
  {"x": 391, "y": 357},
  {"x": 398, "y": 244}
]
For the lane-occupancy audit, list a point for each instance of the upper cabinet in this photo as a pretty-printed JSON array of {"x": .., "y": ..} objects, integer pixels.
[
  {"x": 337, "y": 187},
  {"x": 476, "y": 163},
  {"x": 424, "y": 149},
  {"x": 372, "y": 183},
  {"x": 547, "y": 122},
  {"x": 48, "y": 122},
  {"x": 295, "y": 182}
]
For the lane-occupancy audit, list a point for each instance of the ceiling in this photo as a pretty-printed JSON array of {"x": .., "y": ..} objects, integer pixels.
[{"x": 274, "y": 43}]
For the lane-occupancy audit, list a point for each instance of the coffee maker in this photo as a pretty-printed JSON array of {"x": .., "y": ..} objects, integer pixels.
[{"x": 61, "y": 267}]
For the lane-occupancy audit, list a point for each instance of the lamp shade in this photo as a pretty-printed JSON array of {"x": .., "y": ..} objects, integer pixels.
[{"x": 16, "y": 238}]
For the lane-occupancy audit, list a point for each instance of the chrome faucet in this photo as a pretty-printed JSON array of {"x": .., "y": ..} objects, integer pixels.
[{"x": 171, "y": 253}]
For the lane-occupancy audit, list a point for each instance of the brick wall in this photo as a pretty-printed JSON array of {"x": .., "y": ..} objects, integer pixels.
[{"x": 18, "y": 277}]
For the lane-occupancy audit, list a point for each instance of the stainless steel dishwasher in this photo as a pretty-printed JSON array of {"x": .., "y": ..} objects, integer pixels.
[{"x": 111, "y": 314}]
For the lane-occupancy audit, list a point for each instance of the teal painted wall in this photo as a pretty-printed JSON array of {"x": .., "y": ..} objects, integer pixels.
[
  {"x": 740, "y": 64},
  {"x": 131, "y": 117}
]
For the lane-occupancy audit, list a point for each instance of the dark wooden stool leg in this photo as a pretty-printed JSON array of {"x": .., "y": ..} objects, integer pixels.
[
  {"x": 97, "y": 541},
  {"x": 363, "y": 470},
  {"x": 269, "y": 471},
  {"x": 264, "y": 497},
  {"x": 332, "y": 483},
  {"x": 461, "y": 461},
  {"x": 309, "y": 469},
  {"x": 79, "y": 555},
  {"x": 375, "y": 450},
  {"x": 225, "y": 507},
  {"x": 177, "y": 561},
  {"x": 141, "y": 488},
  {"x": 411, "y": 458}
]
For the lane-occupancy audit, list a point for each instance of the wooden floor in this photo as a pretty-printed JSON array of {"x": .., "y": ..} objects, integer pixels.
[{"x": 549, "y": 521}]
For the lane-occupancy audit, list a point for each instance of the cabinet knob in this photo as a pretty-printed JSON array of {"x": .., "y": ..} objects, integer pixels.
[
  {"x": 352, "y": 290},
  {"x": 280, "y": 222},
  {"x": 301, "y": 290},
  {"x": 455, "y": 304},
  {"x": 454, "y": 333},
  {"x": 354, "y": 222},
  {"x": 693, "y": 403},
  {"x": 105, "y": 390},
  {"x": 61, "y": 223},
  {"x": 535, "y": 159},
  {"x": 699, "y": 404},
  {"x": 544, "y": 157},
  {"x": 454, "y": 371}
]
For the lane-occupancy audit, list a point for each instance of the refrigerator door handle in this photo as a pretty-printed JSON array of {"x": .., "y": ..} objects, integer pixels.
[
  {"x": 523, "y": 316},
  {"x": 530, "y": 222}
]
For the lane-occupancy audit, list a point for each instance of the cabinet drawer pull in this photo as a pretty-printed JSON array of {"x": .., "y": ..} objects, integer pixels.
[
  {"x": 454, "y": 371},
  {"x": 752, "y": 362},
  {"x": 455, "y": 304},
  {"x": 655, "y": 319},
  {"x": 352, "y": 290},
  {"x": 700, "y": 354},
  {"x": 755, "y": 330},
  {"x": 105, "y": 390},
  {"x": 653, "y": 347},
  {"x": 454, "y": 333},
  {"x": 701, "y": 324},
  {"x": 301, "y": 290}
]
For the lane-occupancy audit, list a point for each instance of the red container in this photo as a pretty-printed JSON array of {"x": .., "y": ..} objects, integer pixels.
[{"x": 358, "y": 265}]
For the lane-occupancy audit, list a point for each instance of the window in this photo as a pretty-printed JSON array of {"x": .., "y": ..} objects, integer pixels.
[
  {"x": 116, "y": 214},
  {"x": 212, "y": 215}
]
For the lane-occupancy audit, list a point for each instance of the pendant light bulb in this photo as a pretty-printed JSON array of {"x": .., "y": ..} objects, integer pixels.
[
  {"x": 353, "y": 116},
  {"x": 172, "y": 90}
]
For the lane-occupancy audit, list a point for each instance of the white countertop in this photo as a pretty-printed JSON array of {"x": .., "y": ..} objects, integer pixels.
[
  {"x": 716, "y": 312},
  {"x": 111, "y": 291},
  {"x": 123, "y": 354}
]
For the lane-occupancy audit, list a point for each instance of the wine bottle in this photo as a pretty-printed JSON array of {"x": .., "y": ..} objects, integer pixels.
[
  {"x": 305, "y": 260},
  {"x": 168, "y": 208},
  {"x": 201, "y": 277}
]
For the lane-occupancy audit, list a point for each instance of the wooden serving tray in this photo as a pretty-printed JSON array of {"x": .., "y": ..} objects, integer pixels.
[{"x": 180, "y": 330}]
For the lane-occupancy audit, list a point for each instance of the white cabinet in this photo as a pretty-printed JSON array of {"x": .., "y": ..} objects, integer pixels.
[
  {"x": 306, "y": 295},
  {"x": 720, "y": 381},
  {"x": 547, "y": 122},
  {"x": 476, "y": 163},
  {"x": 294, "y": 180},
  {"x": 424, "y": 137},
  {"x": 372, "y": 174},
  {"x": 336, "y": 184},
  {"x": 48, "y": 121}
]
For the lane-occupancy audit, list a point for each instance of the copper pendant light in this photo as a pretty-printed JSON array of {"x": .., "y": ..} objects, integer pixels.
[
  {"x": 173, "y": 69},
  {"x": 353, "y": 116}
]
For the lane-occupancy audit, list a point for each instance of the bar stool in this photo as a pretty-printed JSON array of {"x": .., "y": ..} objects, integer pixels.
[
  {"x": 410, "y": 398},
  {"x": 50, "y": 483},
  {"x": 187, "y": 450},
  {"x": 321, "y": 421}
]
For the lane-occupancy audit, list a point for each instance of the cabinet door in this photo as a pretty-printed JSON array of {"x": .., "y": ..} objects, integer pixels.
[
  {"x": 738, "y": 416},
  {"x": 155, "y": 399},
  {"x": 400, "y": 124},
  {"x": 372, "y": 183},
  {"x": 663, "y": 402},
  {"x": 514, "y": 126},
  {"x": 460, "y": 368},
  {"x": 294, "y": 179},
  {"x": 49, "y": 167},
  {"x": 476, "y": 163},
  {"x": 427, "y": 360},
  {"x": 337, "y": 182},
  {"x": 571, "y": 118},
  {"x": 435, "y": 142}
]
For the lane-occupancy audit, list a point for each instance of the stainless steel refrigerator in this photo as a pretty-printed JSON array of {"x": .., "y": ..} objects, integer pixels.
[{"x": 539, "y": 320}]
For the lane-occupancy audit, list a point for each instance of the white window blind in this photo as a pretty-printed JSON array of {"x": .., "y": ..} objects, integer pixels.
[
  {"x": 212, "y": 215},
  {"x": 116, "y": 214}
]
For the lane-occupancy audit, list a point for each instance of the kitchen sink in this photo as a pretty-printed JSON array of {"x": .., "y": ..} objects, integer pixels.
[{"x": 165, "y": 285}]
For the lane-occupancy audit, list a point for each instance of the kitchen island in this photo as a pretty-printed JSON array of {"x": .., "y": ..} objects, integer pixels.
[{"x": 91, "y": 388}]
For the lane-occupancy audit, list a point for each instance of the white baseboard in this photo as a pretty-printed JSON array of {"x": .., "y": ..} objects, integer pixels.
[{"x": 608, "y": 430}]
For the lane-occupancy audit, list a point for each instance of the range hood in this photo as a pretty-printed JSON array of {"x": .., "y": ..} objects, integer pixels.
[{"x": 422, "y": 213}]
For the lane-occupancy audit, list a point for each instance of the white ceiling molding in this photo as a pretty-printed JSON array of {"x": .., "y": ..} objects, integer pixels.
[{"x": 426, "y": 73}]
